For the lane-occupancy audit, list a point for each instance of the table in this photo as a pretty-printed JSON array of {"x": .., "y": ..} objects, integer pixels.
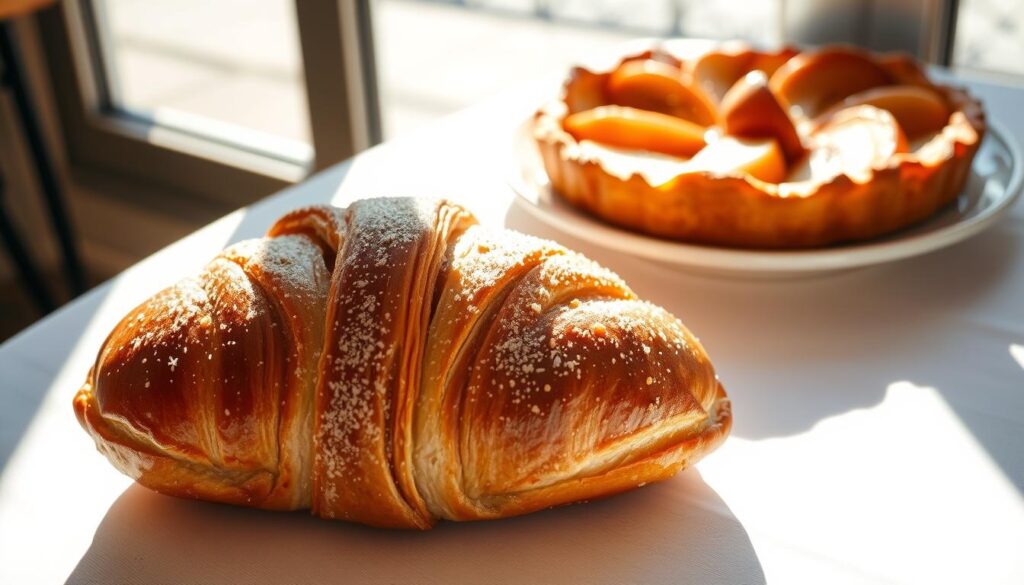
[{"x": 879, "y": 422}]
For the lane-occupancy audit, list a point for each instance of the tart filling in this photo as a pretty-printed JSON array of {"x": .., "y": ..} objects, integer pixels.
[{"x": 745, "y": 148}]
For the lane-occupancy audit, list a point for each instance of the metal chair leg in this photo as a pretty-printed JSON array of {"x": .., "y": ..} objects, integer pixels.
[{"x": 14, "y": 78}]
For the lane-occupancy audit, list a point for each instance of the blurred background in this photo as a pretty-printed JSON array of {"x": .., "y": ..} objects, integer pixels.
[{"x": 158, "y": 116}]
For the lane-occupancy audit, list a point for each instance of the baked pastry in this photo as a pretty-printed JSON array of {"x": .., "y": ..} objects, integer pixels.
[
  {"x": 393, "y": 363},
  {"x": 747, "y": 148}
]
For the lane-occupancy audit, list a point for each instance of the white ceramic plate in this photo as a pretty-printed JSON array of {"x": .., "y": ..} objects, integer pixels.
[{"x": 993, "y": 186}]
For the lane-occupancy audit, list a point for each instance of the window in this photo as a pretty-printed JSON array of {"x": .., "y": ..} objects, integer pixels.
[
  {"x": 225, "y": 101},
  {"x": 990, "y": 35},
  {"x": 234, "y": 75},
  {"x": 237, "y": 98},
  {"x": 438, "y": 57}
]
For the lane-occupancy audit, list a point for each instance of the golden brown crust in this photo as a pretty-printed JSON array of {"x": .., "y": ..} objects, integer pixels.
[
  {"x": 571, "y": 386},
  {"x": 448, "y": 371},
  {"x": 211, "y": 379},
  {"x": 740, "y": 210}
]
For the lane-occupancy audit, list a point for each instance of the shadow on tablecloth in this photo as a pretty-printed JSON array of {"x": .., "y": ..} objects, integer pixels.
[{"x": 678, "y": 531}]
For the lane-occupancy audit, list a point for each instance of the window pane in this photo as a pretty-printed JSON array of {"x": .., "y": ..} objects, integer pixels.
[
  {"x": 436, "y": 57},
  {"x": 230, "y": 69},
  {"x": 990, "y": 35}
]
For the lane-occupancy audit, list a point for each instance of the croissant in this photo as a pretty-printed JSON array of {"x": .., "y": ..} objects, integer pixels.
[{"x": 394, "y": 363}]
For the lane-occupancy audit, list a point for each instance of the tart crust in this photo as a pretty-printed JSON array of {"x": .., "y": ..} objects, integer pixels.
[{"x": 742, "y": 211}]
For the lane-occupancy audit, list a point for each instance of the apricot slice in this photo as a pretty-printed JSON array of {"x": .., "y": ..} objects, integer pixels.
[
  {"x": 653, "y": 85},
  {"x": 853, "y": 142},
  {"x": 918, "y": 110},
  {"x": 759, "y": 158},
  {"x": 770, "y": 62},
  {"x": 716, "y": 71},
  {"x": 584, "y": 90},
  {"x": 811, "y": 82},
  {"x": 636, "y": 129},
  {"x": 751, "y": 110}
]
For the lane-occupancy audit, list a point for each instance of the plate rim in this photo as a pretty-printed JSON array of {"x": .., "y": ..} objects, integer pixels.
[{"x": 751, "y": 261}]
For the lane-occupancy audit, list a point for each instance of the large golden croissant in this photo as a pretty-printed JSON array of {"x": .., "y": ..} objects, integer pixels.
[{"x": 393, "y": 363}]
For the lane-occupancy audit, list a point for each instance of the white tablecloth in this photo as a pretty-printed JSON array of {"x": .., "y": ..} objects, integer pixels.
[{"x": 879, "y": 423}]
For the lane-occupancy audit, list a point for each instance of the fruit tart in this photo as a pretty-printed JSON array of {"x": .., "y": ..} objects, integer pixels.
[{"x": 747, "y": 148}]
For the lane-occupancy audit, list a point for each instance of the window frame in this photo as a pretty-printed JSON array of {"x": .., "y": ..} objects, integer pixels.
[
  {"x": 229, "y": 167},
  {"x": 924, "y": 28}
]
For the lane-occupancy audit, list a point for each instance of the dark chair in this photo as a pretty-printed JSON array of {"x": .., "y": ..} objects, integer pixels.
[{"x": 12, "y": 79}]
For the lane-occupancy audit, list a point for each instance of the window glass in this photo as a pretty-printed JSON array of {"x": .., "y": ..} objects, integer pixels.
[
  {"x": 229, "y": 68},
  {"x": 990, "y": 36},
  {"x": 436, "y": 57}
]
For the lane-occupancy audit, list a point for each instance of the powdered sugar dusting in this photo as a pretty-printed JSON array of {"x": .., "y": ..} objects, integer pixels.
[
  {"x": 525, "y": 360},
  {"x": 286, "y": 260},
  {"x": 356, "y": 391},
  {"x": 484, "y": 257}
]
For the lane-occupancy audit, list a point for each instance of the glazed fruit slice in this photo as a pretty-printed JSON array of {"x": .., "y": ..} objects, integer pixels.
[
  {"x": 918, "y": 110},
  {"x": 635, "y": 129},
  {"x": 811, "y": 82},
  {"x": 751, "y": 110},
  {"x": 762, "y": 159},
  {"x": 853, "y": 142},
  {"x": 656, "y": 86},
  {"x": 716, "y": 71}
]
